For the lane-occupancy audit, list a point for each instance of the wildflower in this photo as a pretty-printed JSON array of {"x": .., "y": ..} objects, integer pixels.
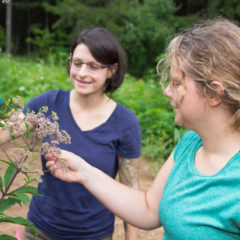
[
  {"x": 54, "y": 116},
  {"x": 45, "y": 129},
  {"x": 14, "y": 122},
  {"x": 22, "y": 88},
  {"x": 18, "y": 101},
  {"x": 19, "y": 155},
  {"x": 20, "y": 158}
]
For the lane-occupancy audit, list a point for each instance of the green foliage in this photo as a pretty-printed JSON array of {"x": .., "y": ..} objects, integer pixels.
[
  {"x": 145, "y": 98},
  {"x": 26, "y": 78},
  {"x": 6, "y": 237},
  {"x": 41, "y": 40},
  {"x": 146, "y": 30},
  {"x": 142, "y": 27},
  {"x": 5, "y": 107},
  {"x": 44, "y": 46},
  {"x": 229, "y": 9}
]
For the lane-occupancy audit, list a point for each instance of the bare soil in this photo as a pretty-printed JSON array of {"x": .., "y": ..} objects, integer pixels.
[{"x": 146, "y": 178}]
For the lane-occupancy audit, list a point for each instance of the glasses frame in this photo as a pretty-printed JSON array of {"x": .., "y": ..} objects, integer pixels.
[{"x": 98, "y": 66}]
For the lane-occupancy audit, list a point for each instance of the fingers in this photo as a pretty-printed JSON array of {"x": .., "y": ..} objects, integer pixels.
[
  {"x": 51, "y": 156},
  {"x": 51, "y": 165}
]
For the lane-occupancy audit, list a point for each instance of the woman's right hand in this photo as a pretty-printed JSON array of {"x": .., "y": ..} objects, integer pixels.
[{"x": 67, "y": 166}]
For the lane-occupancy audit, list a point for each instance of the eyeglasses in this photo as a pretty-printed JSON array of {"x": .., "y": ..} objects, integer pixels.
[{"x": 91, "y": 66}]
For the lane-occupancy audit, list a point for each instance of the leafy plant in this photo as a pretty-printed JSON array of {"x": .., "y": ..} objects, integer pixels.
[
  {"x": 20, "y": 158},
  {"x": 25, "y": 77}
]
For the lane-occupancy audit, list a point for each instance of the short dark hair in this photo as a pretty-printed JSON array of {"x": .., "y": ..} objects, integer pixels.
[{"x": 105, "y": 49}]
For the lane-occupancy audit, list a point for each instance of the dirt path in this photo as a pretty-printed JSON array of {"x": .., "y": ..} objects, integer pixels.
[{"x": 146, "y": 178}]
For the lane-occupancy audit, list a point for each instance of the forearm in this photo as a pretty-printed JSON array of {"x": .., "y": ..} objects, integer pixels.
[
  {"x": 133, "y": 206},
  {"x": 129, "y": 204},
  {"x": 131, "y": 232},
  {"x": 5, "y": 136}
]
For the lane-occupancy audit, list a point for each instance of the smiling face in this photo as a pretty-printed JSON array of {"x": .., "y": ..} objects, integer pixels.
[
  {"x": 87, "y": 75},
  {"x": 188, "y": 102}
]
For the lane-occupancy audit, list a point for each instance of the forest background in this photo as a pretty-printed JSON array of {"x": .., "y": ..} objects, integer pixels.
[{"x": 35, "y": 38}]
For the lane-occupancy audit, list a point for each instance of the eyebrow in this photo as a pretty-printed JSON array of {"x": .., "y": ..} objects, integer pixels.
[{"x": 90, "y": 62}]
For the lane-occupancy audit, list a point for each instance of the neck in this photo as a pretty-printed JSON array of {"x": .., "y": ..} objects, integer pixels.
[
  {"x": 89, "y": 101},
  {"x": 221, "y": 141},
  {"x": 216, "y": 134}
]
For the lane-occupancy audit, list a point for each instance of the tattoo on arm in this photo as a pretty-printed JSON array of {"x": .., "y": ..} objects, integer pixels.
[
  {"x": 128, "y": 172},
  {"x": 128, "y": 175}
]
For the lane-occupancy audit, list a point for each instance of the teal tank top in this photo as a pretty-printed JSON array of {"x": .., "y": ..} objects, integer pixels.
[{"x": 196, "y": 206}]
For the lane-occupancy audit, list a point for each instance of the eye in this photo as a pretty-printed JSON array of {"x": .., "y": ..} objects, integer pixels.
[
  {"x": 77, "y": 64},
  {"x": 176, "y": 83},
  {"x": 93, "y": 67}
]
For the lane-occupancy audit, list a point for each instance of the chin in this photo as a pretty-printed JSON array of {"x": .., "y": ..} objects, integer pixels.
[{"x": 178, "y": 122}]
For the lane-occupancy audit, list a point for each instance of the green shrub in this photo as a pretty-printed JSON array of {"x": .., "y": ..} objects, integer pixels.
[
  {"x": 27, "y": 78},
  {"x": 159, "y": 132}
]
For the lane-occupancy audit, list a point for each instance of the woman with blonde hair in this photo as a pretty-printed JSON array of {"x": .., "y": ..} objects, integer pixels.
[{"x": 196, "y": 194}]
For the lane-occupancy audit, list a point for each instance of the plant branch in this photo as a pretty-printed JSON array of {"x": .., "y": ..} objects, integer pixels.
[{"x": 9, "y": 185}]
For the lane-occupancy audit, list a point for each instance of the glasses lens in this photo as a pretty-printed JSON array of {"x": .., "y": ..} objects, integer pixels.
[{"x": 91, "y": 66}]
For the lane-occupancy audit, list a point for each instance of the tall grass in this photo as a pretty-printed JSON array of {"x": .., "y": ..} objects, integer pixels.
[{"x": 28, "y": 78}]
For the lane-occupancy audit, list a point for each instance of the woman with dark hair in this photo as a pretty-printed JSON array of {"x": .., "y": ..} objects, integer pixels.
[{"x": 103, "y": 131}]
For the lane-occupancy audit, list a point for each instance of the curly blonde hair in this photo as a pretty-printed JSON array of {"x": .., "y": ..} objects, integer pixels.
[{"x": 210, "y": 51}]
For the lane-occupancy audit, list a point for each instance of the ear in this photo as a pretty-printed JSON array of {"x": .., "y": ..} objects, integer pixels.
[
  {"x": 112, "y": 70},
  {"x": 214, "y": 100}
]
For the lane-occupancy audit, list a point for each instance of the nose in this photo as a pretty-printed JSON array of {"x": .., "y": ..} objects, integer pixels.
[
  {"x": 167, "y": 91},
  {"x": 83, "y": 70}
]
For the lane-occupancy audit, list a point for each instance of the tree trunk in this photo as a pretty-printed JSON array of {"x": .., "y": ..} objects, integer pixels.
[{"x": 9, "y": 27}]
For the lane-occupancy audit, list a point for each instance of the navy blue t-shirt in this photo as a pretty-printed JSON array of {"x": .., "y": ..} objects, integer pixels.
[{"x": 68, "y": 210}]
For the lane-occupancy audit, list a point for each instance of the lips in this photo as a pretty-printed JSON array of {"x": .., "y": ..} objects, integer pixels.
[{"x": 82, "y": 81}]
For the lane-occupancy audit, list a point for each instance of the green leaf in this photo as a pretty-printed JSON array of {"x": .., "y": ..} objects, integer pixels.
[
  {"x": 9, "y": 175},
  {"x": 23, "y": 198},
  {"x": 13, "y": 137},
  {"x": 7, "y": 203},
  {"x": 19, "y": 220},
  {"x": 28, "y": 189},
  {"x": 1, "y": 184},
  {"x": 27, "y": 130},
  {"x": 9, "y": 163},
  {"x": 6, "y": 237}
]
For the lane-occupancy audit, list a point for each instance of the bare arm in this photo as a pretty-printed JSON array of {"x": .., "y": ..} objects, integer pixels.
[
  {"x": 128, "y": 175},
  {"x": 133, "y": 206}
]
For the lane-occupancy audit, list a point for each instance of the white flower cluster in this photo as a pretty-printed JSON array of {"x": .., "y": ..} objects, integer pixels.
[
  {"x": 5, "y": 1},
  {"x": 45, "y": 129}
]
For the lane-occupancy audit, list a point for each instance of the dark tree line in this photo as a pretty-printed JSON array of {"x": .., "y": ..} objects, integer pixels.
[{"x": 47, "y": 27}]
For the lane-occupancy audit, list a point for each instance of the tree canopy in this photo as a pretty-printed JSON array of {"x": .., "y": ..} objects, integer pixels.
[{"x": 143, "y": 27}]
